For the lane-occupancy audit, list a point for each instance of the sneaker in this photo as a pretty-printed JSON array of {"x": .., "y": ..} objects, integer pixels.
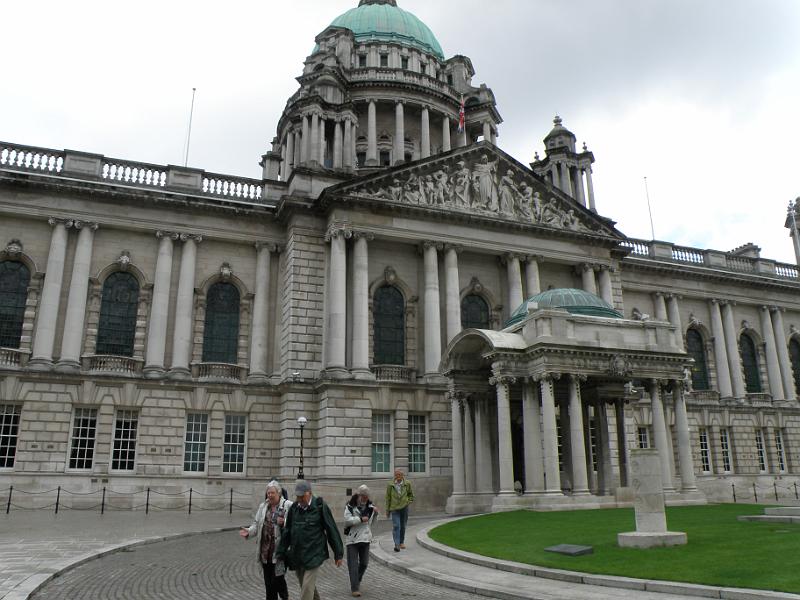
[
  {"x": 397, "y": 548},
  {"x": 356, "y": 594},
  {"x": 402, "y": 546}
]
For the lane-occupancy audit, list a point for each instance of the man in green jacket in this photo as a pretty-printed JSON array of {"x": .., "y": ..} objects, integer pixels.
[
  {"x": 308, "y": 532},
  {"x": 398, "y": 496}
]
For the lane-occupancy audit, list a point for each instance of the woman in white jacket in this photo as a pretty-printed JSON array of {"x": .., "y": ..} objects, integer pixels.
[
  {"x": 359, "y": 514},
  {"x": 267, "y": 528}
]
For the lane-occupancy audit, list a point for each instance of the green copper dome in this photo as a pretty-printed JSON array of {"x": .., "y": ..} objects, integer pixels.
[
  {"x": 382, "y": 20},
  {"x": 576, "y": 302}
]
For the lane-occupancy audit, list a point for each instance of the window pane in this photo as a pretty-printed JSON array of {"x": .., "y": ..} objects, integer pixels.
[
  {"x": 84, "y": 430},
  {"x": 780, "y": 451},
  {"x": 234, "y": 445},
  {"x": 117, "y": 327},
  {"x": 389, "y": 326},
  {"x": 762, "y": 455},
  {"x": 696, "y": 349},
  {"x": 381, "y": 443},
  {"x": 474, "y": 312},
  {"x": 752, "y": 377},
  {"x": 9, "y": 431},
  {"x": 643, "y": 434},
  {"x": 221, "y": 333},
  {"x": 794, "y": 351},
  {"x": 194, "y": 451},
  {"x": 417, "y": 444},
  {"x": 725, "y": 442},
  {"x": 705, "y": 457},
  {"x": 123, "y": 456},
  {"x": 14, "y": 279}
]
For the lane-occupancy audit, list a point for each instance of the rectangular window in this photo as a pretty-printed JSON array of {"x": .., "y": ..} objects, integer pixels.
[
  {"x": 643, "y": 435},
  {"x": 593, "y": 442},
  {"x": 9, "y": 431},
  {"x": 385, "y": 158},
  {"x": 362, "y": 60},
  {"x": 381, "y": 443},
  {"x": 417, "y": 444},
  {"x": 194, "y": 449},
  {"x": 235, "y": 441},
  {"x": 384, "y": 60},
  {"x": 705, "y": 456},
  {"x": 404, "y": 63},
  {"x": 126, "y": 424},
  {"x": 423, "y": 67},
  {"x": 762, "y": 455},
  {"x": 560, "y": 438},
  {"x": 780, "y": 450},
  {"x": 361, "y": 159},
  {"x": 725, "y": 444},
  {"x": 449, "y": 80},
  {"x": 84, "y": 433}
]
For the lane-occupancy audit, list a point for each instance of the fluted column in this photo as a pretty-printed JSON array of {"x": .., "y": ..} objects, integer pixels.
[
  {"x": 773, "y": 366},
  {"x": 660, "y": 434},
  {"x": 674, "y": 315},
  {"x": 372, "y": 135},
  {"x": 360, "y": 300},
  {"x": 347, "y": 145},
  {"x": 47, "y": 317},
  {"x": 688, "y": 482},
  {"x": 720, "y": 353},
  {"x": 338, "y": 158},
  {"x": 590, "y": 189},
  {"x": 606, "y": 291},
  {"x": 606, "y": 482},
  {"x": 305, "y": 148},
  {"x": 289, "y": 162},
  {"x": 483, "y": 449},
  {"x": 514, "y": 276},
  {"x": 587, "y": 278},
  {"x": 336, "y": 338},
  {"x": 783, "y": 354},
  {"x": 532, "y": 435},
  {"x": 659, "y": 306},
  {"x": 433, "y": 331},
  {"x": 458, "y": 445},
  {"x": 732, "y": 347},
  {"x": 184, "y": 305},
  {"x": 313, "y": 146},
  {"x": 425, "y": 133},
  {"x": 445, "y": 134},
  {"x": 74, "y": 321},
  {"x": 469, "y": 449},
  {"x": 159, "y": 310},
  {"x": 399, "y": 134},
  {"x": 552, "y": 474},
  {"x": 452, "y": 291},
  {"x": 259, "y": 334},
  {"x": 533, "y": 283},
  {"x": 505, "y": 447},
  {"x": 580, "y": 475}
]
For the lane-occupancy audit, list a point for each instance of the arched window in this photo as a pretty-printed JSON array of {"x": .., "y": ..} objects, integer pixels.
[
  {"x": 474, "y": 312},
  {"x": 389, "y": 333},
  {"x": 696, "y": 349},
  {"x": 221, "y": 333},
  {"x": 118, "y": 309},
  {"x": 14, "y": 279},
  {"x": 752, "y": 376},
  {"x": 794, "y": 353}
]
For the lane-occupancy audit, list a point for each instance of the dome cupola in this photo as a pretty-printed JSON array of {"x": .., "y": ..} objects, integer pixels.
[{"x": 576, "y": 302}]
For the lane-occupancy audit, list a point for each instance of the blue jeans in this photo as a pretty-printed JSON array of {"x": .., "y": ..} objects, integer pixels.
[{"x": 399, "y": 520}]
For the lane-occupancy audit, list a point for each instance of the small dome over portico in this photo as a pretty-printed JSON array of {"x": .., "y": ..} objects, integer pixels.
[{"x": 574, "y": 301}]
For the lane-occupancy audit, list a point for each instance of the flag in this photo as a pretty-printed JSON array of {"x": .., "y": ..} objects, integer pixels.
[{"x": 462, "y": 118}]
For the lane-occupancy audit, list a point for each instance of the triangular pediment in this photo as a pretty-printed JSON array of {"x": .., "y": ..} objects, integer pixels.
[{"x": 479, "y": 180}]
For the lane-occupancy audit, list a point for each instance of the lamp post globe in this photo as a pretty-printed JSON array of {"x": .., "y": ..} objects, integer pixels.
[{"x": 301, "y": 421}]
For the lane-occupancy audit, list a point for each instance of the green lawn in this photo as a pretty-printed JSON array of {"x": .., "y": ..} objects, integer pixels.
[{"x": 721, "y": 550}]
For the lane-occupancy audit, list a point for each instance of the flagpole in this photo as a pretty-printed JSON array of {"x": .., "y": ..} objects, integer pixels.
[
  {"x": 189, "y": 132},
  {"x": 649, "y": 209}
]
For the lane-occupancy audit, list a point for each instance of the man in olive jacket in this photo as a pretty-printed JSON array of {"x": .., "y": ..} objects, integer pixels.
[{"x": 308, "y": 532}]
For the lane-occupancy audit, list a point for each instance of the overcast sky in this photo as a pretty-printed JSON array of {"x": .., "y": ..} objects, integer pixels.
[{"x": 700, "y": 96}]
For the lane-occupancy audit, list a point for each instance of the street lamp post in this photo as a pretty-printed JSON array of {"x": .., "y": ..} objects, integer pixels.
[{"x": 302, "y": 422}]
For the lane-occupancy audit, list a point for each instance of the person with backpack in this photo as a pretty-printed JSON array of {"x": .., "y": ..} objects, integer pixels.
[{"x": 359, "y": 514}]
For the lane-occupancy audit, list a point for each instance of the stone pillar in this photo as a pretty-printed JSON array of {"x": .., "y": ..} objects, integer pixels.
[
  {"x": 674, "y": 314},
  {"x": 298, "y": 149},
  {"x": 660, "y": 434},
  {"x": 289, "y": 163},
  {"x": 783, "y": 354},
  {"x": 75, "y": 319},
  {"x": 554, "y": 175},
  {"x": 505, "y": 447},
  {"x": 184, "y": 305},
  {"x": 550, "y": 438},
  {"x": 487, "y": 131},
  {"x": 587, "y": 278},
  {"x": 425, "y": 151},
  {"x": 336, "y": 338},
  {"x": 732, "y": 346},
  {"x": 313, "y": 146},
  {"x": 445, "y": 134},
  {"x": 720, "y": 354},
  {"x": 159, "y": 310},
  {"x": 483, "y": 449},
  {"x": 433, "y": 331},
  {"x": 514, "y": 276},
  {"x": 579, "y": 186},
  {"x": 452, "y": 291},
  {"x": 458, "y": 445},
  {"x": 531, "y": 416},
  {"x": 372, "y": 135},
  {"x": 338, "y": 158},
  {"x": 659, "y": 307},
  {"x": 258, "y": 336},
  {"x": 604, "y": 444},
  {"x": 606, "y": 291},
  {"x": 590, "y": 189},
  {"x": 580, "y": 476},
  {"x": 469, "y": 449},
  {"x": 688, "y": 482},
  {"x": 622, "y": 442},
  {"x": 47, "y": 316},
  {"x": 305, "y": 151},
  {"x": 361, "y": 306},
  {"x": 323, "y": 141},
  {"x": 399, "y": 134},
  {"x": 347, "y": 150},
  {"x": 533, "y": 283},
  {"x": 773, "y": 366},
  {"x": 566, "y": 184}
]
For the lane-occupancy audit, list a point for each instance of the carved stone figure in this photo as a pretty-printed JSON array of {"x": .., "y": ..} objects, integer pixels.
[
  {"x": 429, "y": 188},
  {"x": 552, "y": 214},
  {"x": 570, "y": 221},
  {"x": 412, "y": 190},
  {"x": 507, "y": 191},
  {"x": 440, "y": 186},
  {"x": 484, "y": 175},
  {"x": 461, "y": 185}
]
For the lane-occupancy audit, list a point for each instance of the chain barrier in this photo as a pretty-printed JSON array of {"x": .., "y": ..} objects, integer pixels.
[{"x": 792, "y": 492}]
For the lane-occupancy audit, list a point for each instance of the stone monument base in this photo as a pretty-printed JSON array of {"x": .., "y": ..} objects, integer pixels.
[{"x": 642, "y": 539}]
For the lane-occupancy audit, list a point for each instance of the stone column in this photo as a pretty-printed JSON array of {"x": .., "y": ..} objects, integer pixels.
[
  {"x": 604, "y": 445},
  {"x": 688, "y": 483},
  {"x": 313, "y": 146},
  {"x": 433, "y": 330},
  {"x": 566, "y": 183},
  {"x": 514, "y": 276},
  {"x": 531, "y": 416},
  {"x": 732, "y": 346},
  {"x": 452, "y": 291},
  {"x": 622, "y": 442},
  {"x": 159, "y": 310},
  {"x": 674, "y": 314},
  {"x": 505, "y": 447},
  {"x": 550, "y": 438},
  {"x": 425, "y": 133},
  {"x": 587, "y": 278},
  {"x": 305, "y": 151},
  {"x": 487, "y": 131},
  {"x": 184, "y": 305},
  {"x": 372, "y": 135},
  {"x": 533, "y": 283},
  {"x": 783, "y": 354},
  {"x": 606, "y": 291},
  {"x": 659, "y": 307},
  {"x": 554, "y": 175},
  {"x": 298, "y": 149},
  {"x": 399, "y": 134},
  {"x": 720, "y": 354},
  {"x": 338, "y": 158},
  {"x": 445, "y": 134},
  {"x": 323, "y": 141},
  {"x": 289, "y": 164},
  {"x": 580, "y": 475},
  {"x": 483, "y": 449},
  {"x": 458, "y": 445},
  {"x": 75, "y": 319},
  {"x": 347, "y": 150},
  {"x": 259, "y": 337},
  {"x": 47, "y": 316},
  {"x": 579, "y": 186},
  {"x": 361, "y": 306},
  {"x": 590, "y": 189},
  {"x": 336, "y": 338},
  {"x": 773, "y": 366},
  {"x": 469, "y": 448},
  {"x": 660, "y": 434}
]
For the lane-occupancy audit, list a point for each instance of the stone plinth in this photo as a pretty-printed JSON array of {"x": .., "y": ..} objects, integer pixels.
[{"x": 651, "y": 520}]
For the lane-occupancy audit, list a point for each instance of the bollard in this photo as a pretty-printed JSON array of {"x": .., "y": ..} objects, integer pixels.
[
  {"x": 230, "y": 509},
  {"x": 755, "y": 492},
  {"x": 147, "y": 503},
  {"x": 11, "y": 491},
  {"x": 58, "y": 498},
  {"x": 775, "y": 487},
  {"x": 795, "y": 492},
  {"x": 103, "y": 502},
  {"x": 190, "y": 500},
  {"x": 733, "y": 488}
]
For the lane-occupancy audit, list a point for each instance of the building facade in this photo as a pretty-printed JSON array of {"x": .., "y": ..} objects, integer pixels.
[{"x": 424, "y": 300}]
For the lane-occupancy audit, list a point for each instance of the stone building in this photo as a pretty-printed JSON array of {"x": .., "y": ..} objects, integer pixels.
[{"x": 423, "y": 299}]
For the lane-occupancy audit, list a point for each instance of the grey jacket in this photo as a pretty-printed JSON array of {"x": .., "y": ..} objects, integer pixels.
[{"x": 254, "y": 531}]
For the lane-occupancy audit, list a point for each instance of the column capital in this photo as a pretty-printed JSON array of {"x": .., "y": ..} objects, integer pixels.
[
  {"x": 673, "y": 296},
  {"x": 502, "y": 380},
  {"x": 338, "y": 230},
  {"x": 713, "y": 301},
  {"x": 532, "y": 258},
  {"x": 777, "y": 309},
  {"x": 577, "y": 377},
  {"x": 458, "y": 249},
  {"x": 365, "y": 235},
  {"x": 659, "y": 295},
  {"x": 510, "y": 256},
  {"x": 585, "y": 267},
  {"x": 195, "y": 237},
  {"x": 272, "y": 247},
  {"x": 87, "y": 224},
  {"x": 424, "y": 245},
  {"x": 172, "y": 235},
  {"x": 53, "y": 221},
  {"x": 546, "y": 377}
]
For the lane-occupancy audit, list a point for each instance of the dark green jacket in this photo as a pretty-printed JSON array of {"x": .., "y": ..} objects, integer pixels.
[{"x": 307, "y": 534}]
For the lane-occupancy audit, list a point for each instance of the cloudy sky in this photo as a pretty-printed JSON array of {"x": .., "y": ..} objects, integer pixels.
[{"x": 700, "y": 96}]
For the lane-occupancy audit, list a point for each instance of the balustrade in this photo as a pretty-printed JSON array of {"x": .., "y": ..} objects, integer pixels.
[
  {"x": 218, "y": 372},
  {"x": 232, "y": 187},
  {"x": 740, "y": 263},
  {"x": 108, "y": 364},
  {"x": 134, "y": 173},
  {"x": 13, "y": 358},
  {"x": 687, "y": 255},
  {"x": 785, "y": 270},
  {"x": 30, "y": 158},
  {"x": 394, "y": 373},
  {"x": 638, "y": 247},
  {"x": 402, "y": 76}
]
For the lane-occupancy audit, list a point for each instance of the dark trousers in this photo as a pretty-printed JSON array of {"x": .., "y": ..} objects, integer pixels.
[
  {"x": 275, "y": 584},
  {"x": 357, "y": 563},
  {"x": 399, "y": 520}
]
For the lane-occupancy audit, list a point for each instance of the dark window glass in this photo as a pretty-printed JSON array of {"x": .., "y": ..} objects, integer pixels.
[
  {"x": 384, "y": 60},
  {"x": 361, "y": 159},
  {"x": 14, "y": 279},
  {"x": 474, "y": 312},
  {"x": 752, "y": 377},
  {"x": 118, "y": 309},
  {"x": 362, "y": 60},
  {"x": 221, "y": 333},
  {"x": 386, "y": 160},
  {"x": 404, "y": 63},
  {"x": 696, "y": 349},
  {"x": 449, "y": 80},
  {"x": 389, "y": 334},
  {"x": 794, "y": 352},
  {"x": 409, "y": 157}
]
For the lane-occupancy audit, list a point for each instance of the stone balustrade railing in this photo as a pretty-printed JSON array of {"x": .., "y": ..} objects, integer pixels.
[
  {"x": 29, "y": 158},
  {"x": 232, "y": 187},
  {"x": 134, "y": 173},
  {"x": 394, "y": 373},
  {"x": 108, "y": 364},
  {"x": 402, "y": 76},
  {"x": 218, "y": 372},
  {"x": 726, "y": 261},
  {"x": 13, "y": 358}
]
